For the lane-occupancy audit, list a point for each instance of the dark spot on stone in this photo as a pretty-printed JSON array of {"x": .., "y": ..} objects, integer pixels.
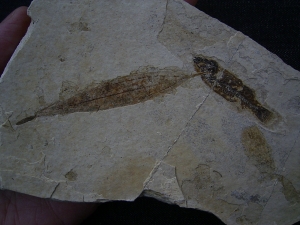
[
  {"x": 79, "y": 26},
  {"x": 82, "y": 26},
  {"x": 247, "y": 197},
  {"x": 255, "y": 198},
  {"x": 71, "y": 175}
]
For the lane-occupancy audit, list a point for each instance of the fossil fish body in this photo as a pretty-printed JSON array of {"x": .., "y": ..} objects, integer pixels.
[
  {"x": 230, "y": 87},
  {"x": 135, "y": 88}
]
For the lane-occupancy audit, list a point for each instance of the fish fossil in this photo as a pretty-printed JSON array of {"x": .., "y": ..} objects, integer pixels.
[{"x": 230, "y": 87}]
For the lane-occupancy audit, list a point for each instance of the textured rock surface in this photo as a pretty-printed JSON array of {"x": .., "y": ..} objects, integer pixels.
[{"x": 104, "y": 102}]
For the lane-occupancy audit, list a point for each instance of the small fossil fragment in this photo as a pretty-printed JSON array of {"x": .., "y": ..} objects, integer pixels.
[
  {"x": 230, "y": 87},
  {"x": 137, "y": 87}
]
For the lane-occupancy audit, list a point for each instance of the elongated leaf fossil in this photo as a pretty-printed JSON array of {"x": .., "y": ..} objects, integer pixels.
[{"x": 137, "y": 87}]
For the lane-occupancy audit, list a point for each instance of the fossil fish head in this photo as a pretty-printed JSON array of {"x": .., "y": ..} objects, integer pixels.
[{"x": 203, "y": 65}]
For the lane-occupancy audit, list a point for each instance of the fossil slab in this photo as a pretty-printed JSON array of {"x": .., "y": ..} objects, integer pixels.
[{"x": 106, "y": 101}]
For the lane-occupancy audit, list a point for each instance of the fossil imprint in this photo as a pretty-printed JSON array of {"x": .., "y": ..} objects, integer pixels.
[
  {"x": 143, "y": 85},
  {"x": 230, "y": 87}
]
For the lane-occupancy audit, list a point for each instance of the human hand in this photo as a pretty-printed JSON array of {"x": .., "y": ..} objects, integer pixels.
[
  {"x": 12, "y": 29},
  {"x": 192, "y": 2},
  {"x": 16, "y": 208}
]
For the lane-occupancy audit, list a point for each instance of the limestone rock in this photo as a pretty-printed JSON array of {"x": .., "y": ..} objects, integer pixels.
[{"x": 106, "y": 101}]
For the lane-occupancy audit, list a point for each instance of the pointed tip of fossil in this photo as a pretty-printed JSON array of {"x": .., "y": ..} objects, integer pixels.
[{"x": 25, "y": 120}]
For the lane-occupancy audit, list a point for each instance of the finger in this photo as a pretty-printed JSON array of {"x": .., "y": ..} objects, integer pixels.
[
  {"x": 12, "y": 30},
  {"x": 192, "y": 2},
  {"x": 71, "y": 212},
  {"x": 16, "y": 208}
]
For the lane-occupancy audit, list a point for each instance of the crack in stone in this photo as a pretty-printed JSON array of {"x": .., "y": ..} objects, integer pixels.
[
  {"x": 180, "y": 187},
  {"x": 175, "y": 141},
  {"x": 292, "y": 148},
  {"x": 153, "y": 171},
  {"x": 229, "y": 40},
  {"x": 161, "y": 173},
  {"x": 55, "y": 188},
  {"x": 264, "y": 206},
  {"x": 171, "y": 147},
  {"x": 164, "y": 20},
  {"x": 237, "y": 49}
]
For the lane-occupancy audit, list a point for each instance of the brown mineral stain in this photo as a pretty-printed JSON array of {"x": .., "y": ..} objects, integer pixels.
[
  {"x": 289, "y": 190},
  {"x": 260, "y": 154},
  {"x": 71, "y": 175},
  {"x": 230, "y": 87},
  {"x": 126, "y": 176},
  {"x": 139, "y": 86},
  {"x": 258, "y": 150}
]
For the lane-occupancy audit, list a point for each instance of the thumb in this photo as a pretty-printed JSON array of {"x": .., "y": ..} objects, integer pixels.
[
  {"x": 192, "y": 2},
  {"x": 12, "y": 30}
]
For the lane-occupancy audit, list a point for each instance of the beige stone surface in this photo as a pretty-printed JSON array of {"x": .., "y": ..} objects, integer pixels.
[{"x": 102, "y": 102}]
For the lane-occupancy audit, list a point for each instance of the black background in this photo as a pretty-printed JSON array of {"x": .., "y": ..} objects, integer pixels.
[{"x": 275, "y": 24}]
